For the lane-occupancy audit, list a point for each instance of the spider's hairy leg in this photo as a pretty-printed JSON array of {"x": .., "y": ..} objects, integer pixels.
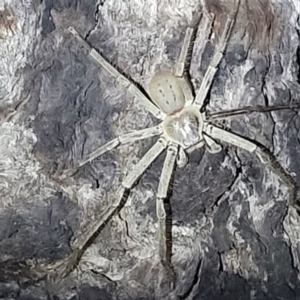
[
  {"x": 263, "y": 154},
  {"x": 146, "y": 102},
  {"x": 216, "y": 59},
  {"x": 122, "y": 139},
  {"x": 85, "y": 239},
  {"x": 162, "y": 192}
]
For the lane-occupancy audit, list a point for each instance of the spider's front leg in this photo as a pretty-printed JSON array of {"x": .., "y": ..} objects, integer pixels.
[
  {"x": 263, "y": 154},
  {"x": 183, "y": 62},
  {"x": 146, "y": 102},
  {"x": 216, "y": 59}
]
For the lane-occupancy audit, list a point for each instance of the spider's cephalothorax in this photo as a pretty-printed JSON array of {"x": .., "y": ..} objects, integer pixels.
[{"x": 183, "y": 129}]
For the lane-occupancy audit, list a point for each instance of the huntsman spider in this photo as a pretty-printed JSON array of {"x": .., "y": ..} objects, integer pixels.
[{"x": 185, "y": 127}]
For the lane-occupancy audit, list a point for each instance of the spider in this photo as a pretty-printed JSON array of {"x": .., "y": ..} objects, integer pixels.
[{"x": 185, "y": 126}]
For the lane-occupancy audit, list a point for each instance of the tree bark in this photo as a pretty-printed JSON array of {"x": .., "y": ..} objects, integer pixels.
[{"x": 234, "y": 232}]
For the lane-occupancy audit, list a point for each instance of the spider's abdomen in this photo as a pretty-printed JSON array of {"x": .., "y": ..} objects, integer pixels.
[
  {"x": 165, "y": 90},
  {"x": 185, "y": 127}
]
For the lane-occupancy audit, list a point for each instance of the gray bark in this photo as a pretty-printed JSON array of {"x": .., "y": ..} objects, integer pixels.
[{"x": 56, "y": 106}]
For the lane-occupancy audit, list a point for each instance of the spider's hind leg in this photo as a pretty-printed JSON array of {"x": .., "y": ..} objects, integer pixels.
[
  {"x": 80, "y": 244},
  {"x": 164, "y": 250},
  {"x": 122, "y": 139},
  {"x": 267, "y": 158},
  {"x": 127, "y": 183},
  {"x": 264, "y": 156}
]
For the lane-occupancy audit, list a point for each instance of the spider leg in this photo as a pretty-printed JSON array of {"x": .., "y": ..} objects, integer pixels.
[
  {"x": 198, "y": 145},
  {"x": 212, "y": 146},
  {"x": 265, "y": 157},
  {"x": 185, "y": 55},
  {"x": 83, "y": 241},
  {"x": 221, "y": 115},
  {"x": 187, "y": 47},
  {"x": 122, "y": 139},
  {"x": 182, "y": 158},
  {"x": 183, "y": 63},
  {"x": 127, "y": 183},
  {"x": 119, "y": 77},
  {"x": 180, "y": 65},
  {"x": 216, "y": 59},
  {"x": 163, "y": 186}
]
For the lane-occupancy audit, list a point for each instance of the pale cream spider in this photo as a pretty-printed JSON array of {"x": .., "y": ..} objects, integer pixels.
[{"x": 185, "y": 127}]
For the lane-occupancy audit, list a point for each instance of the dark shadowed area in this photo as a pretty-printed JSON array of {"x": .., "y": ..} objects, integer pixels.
[{"x": 234, "y": 234}]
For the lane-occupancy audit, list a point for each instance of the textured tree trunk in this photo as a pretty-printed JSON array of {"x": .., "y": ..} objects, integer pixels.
[{"x": 234, "y": 233}]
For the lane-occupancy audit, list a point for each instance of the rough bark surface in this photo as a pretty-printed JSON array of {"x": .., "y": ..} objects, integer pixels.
[{"x": 56, "y": 106}]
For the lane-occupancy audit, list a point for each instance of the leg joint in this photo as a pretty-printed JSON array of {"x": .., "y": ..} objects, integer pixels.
[{"x": 163, "y": 141}]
